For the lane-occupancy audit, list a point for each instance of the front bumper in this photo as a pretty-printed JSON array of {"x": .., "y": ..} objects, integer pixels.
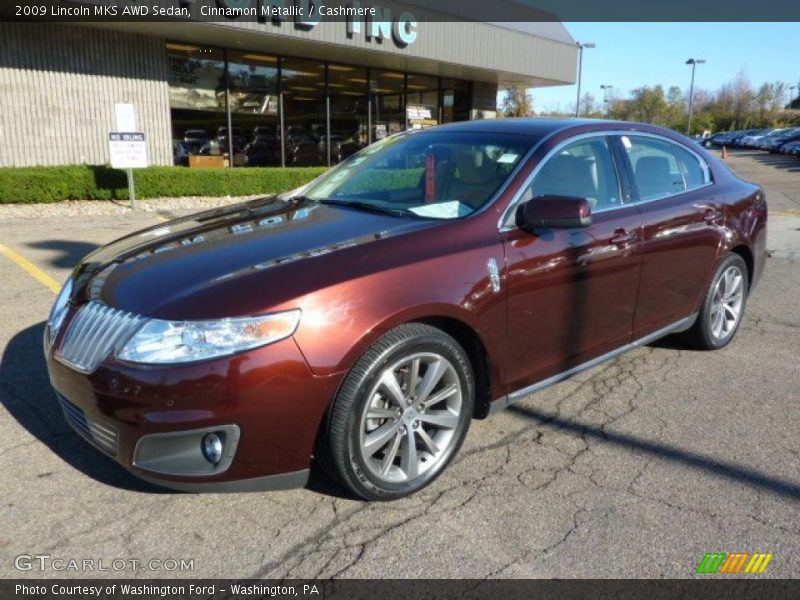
[{"x": 267, "y": 402}]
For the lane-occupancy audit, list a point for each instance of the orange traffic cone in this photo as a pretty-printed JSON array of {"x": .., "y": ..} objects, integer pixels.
[{"x": 724, "y": 153}]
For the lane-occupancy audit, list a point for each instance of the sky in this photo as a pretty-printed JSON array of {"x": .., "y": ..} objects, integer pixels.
[{"x": 630, "y": 55}]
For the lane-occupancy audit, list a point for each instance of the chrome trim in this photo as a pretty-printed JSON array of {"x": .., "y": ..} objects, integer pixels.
[
  {"x": 503, "y": 224},
  {"x": 494, "y": 275},
  {"x": 104, "y": 437},
  {"x": 93, "y": 333},
  {"x": 516, "y": 396}
]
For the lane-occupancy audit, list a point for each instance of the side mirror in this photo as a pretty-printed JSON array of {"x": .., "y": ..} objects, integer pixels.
[{"x": 554, "y": 212}]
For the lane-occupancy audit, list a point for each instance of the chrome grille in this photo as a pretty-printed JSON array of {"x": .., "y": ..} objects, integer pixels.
[
  {"x": 94, "y": 333},
  {"x": 103, "y": 436}
]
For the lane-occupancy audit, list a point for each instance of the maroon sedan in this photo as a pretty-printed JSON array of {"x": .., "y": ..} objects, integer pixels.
[{"x": 362, "y": 322}]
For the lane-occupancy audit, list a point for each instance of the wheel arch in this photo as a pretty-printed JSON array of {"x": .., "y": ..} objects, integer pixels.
[{"x": 747, "y": 255}]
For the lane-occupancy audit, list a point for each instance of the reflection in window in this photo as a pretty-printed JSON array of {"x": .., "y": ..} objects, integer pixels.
[
  {"x": 455, "y": 100},
  {"x": 423, "y": 101},
  {"x": 304, "y": 110},
  {"x": 253, "y": 80},
  {"x": 436, "y": 174},
  {"x": 349, "y": 121},
  {"x": 228, "y": 104},
  {"x": 388, "y": 103},
  {"x": 197, "y": 99}
]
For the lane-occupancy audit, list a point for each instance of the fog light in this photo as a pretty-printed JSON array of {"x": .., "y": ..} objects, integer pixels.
[{"x": 212, "y": 448}]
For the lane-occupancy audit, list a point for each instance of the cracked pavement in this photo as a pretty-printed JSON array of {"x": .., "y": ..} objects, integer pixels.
[{"x": 636, "y": 468}]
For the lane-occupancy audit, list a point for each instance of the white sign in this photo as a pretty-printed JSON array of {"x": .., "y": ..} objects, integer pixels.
[
  {"x": 126, "y": 117},
  {"x": 128, "y": 150}
]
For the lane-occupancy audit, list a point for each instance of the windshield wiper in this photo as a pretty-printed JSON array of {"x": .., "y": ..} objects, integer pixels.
[{"x": 369, "y": 207}]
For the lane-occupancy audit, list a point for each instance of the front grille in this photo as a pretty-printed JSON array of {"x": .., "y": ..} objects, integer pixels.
[
  {"x": 94, "y": 333},
  {"x": 103, "y": 436}
]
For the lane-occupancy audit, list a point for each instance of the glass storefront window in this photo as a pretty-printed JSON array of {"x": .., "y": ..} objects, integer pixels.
[
  {"x": 255, "y": 109},
  {"x": 422, "y": 106},
  {"x": 197, "y": 99},
  {"x": 348, "y": 91},
  {"x": 455, "y": 100},
  {"x": 304, "y": 112},
  {"x": 254, "y": 101},
  {"x": 388, "y": 103}
]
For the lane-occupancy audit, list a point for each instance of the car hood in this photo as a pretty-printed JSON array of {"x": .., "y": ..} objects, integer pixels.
[{"x": 237, "y": 260}]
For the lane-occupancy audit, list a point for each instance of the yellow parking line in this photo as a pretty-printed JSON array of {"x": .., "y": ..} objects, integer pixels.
[
  {"x": 791, "y": 212},
  {"x": 31, "y": 268}
]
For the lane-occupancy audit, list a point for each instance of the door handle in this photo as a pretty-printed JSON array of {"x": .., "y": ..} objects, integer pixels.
[{"x": 622, "y": 237}]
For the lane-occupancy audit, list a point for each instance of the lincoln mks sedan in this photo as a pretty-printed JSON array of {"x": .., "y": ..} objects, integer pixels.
[{"x": 360, "y": 323}]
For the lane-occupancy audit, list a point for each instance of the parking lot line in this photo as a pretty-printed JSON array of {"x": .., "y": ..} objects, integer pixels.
[{"x": 31, "y": 268}]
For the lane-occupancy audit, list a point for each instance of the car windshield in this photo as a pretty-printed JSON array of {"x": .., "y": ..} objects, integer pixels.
[{"x": 432, "y": 174}]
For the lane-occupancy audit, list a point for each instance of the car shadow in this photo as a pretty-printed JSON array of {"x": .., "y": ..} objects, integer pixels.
[
  {"x": 693, "y": 460},
  {"x": 69, "y": 252},
  {"x": 778, "y": 161},
  {"x": 26, "y": 394}
]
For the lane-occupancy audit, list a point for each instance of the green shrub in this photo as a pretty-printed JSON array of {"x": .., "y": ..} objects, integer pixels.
[{"x": 83, "y": 182}]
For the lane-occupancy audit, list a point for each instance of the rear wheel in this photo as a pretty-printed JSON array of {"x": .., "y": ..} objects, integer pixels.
[
  {"x": 723, "y": 306},
  {"x": 401, "y": 414}
]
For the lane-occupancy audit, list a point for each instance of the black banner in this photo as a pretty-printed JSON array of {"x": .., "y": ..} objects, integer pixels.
[
  {"x": 732, "y": 588},
  {"x": 309, "y": 13}
]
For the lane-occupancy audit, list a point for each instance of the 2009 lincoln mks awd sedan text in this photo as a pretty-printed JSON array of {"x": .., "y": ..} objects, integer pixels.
[{"x": 361, "y": 322}]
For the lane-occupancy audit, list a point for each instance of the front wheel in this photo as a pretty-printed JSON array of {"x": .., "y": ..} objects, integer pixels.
[
  {"x": 401, "y": 413},
  {"x": 723, "y": 306}
]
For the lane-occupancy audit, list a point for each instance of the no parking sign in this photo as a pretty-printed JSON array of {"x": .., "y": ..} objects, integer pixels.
[{"x": 128, "y": 150}]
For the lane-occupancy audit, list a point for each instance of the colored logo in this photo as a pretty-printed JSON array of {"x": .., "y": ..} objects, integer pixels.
[{"x": 734, "y": 563}]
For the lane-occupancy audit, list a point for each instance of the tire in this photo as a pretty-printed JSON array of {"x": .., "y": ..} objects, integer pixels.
[
  {"x": 384, "y": 442},
  {"x": 712, "y": 331}
]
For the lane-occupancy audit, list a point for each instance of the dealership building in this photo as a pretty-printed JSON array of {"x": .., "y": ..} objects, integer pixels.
[{"x": 260, "y": 92}]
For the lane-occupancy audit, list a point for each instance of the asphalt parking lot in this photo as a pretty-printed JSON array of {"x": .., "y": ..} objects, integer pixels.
[{"x": 636, "y": 468}]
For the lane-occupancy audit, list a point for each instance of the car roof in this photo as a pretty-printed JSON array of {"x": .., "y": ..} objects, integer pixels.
[
  {"x": 544, "y": 126},
  {"x": 523, "y": 126}
]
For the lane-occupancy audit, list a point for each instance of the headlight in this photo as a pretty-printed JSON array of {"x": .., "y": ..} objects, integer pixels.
[
  {"x": 59, "y": 310},
  {"x": 166, "y": 342}
]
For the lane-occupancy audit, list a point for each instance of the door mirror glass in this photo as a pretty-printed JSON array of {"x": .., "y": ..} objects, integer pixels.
[{"x": 554, "y": 212}]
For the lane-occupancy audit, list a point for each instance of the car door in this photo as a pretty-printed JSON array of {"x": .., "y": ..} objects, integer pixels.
[
  {"x": 682, "y": 228},
  {"x": 571, "y": 292}
]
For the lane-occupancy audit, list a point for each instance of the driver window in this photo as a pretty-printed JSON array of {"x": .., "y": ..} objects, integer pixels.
[{"x": 583, "y": 169}]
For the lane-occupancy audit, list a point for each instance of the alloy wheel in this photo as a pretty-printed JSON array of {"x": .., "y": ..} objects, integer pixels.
[
  {"x": 409, "y": 423},
  {"x": 727, "y": 300}
]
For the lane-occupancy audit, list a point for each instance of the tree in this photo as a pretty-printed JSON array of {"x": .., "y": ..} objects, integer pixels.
[
  {"x": 587, "y": 105},
  {"x": 517, "y": 103},
  {"x": 648, "y": 104}
]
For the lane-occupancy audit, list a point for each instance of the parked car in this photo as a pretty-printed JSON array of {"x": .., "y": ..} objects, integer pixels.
[
  {"x": 762, "y": 143},
  {"x": 751, "y": 140},
  {"x": 792, "y": 148},
  {"x": 722, "y": 138},
  {"x": 782, "y": 148},
  {"x": 774, "y": 142},
  {"x": 263, "y": 151},
  {"x": 194, "y": 140},
  {"x": 361, "y": 322}
]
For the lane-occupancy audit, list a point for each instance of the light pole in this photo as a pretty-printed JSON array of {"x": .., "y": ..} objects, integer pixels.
[
  {"x": 581, "y": 46},
  {"x": 605, "y": 89},
  {"x": 694, "y": 62}
]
